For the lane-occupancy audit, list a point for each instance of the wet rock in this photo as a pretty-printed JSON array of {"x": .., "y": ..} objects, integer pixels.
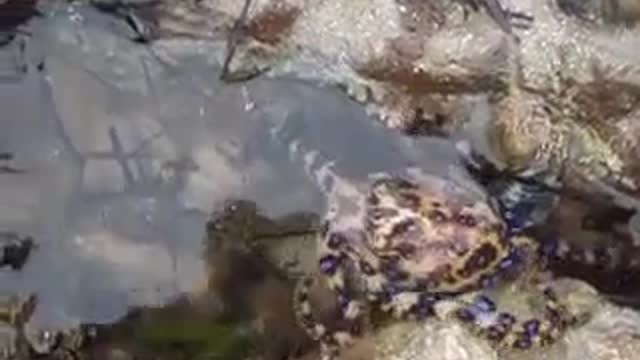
[
  {"x": 567, "y": 122},
  {"x": 610, "y": 333},
  {"x": 424, "y": 66},
  {"x": 15, "y": 313},
  {"x": 432, "y": 341},
  {"x": 140, "y": 155},
  {"x": 14, "y": 13},
  {"x": 324, "y": 48},
  {"x": 610, "y": 12},
  {"x": 17, "y": 310},
  {"x": 16, "y": 249},
  {"x": 404, "y": 59},
  {"x": 419, "y": 66},
  {"x": 599, "y": 248},
  {"x": 71, "y": 343},
  {"x": 250, "y": 271},
  {"x": 572, "y": 112},
  {"x": 240, "y": 227}
]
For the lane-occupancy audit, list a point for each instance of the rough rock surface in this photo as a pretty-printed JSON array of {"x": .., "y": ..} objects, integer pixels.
[
  {"x": 349, "y": 43},
  {"x": 429, "y": 68},
  {"x": 611, "y": 333},
  {"x": 406, "y": 59}
]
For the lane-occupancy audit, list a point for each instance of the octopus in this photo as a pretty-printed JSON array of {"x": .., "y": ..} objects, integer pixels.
[{"x": 413, "y": 241}]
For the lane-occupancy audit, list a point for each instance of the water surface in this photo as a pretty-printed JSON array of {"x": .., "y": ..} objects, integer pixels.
[{"x": 126, "y": 155}]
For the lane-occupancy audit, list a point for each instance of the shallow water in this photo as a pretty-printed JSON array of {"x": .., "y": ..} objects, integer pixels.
[
  {"x": 123, "y": 151},
  {"x": 126, "y": 155}
]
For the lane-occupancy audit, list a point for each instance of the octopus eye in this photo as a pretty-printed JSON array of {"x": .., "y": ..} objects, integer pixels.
[{"x": 466, "y": 220}]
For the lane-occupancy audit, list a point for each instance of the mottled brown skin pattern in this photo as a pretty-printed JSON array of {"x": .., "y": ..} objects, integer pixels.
[
  {"x": 448, "y": 242},
  {"x": 419, "y": 243}
]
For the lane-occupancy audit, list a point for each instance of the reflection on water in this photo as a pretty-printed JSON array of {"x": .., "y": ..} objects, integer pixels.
[
  {"x": 245, "y": 311},
  {"x": 169, "y": 216},
  {"x": 125, "y": 156}
]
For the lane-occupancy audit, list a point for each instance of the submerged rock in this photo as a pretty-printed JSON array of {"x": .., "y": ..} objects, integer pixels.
[{"x": 251, "y": 261}]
